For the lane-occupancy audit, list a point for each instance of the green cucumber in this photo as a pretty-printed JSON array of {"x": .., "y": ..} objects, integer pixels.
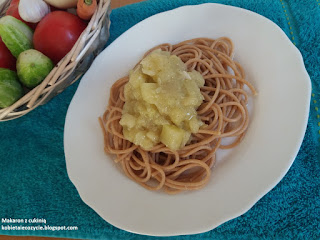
[
  {"x": 16, "y": 35},
  {"x": 10, "y": 88},
  {"x": 33, "y": 67}
]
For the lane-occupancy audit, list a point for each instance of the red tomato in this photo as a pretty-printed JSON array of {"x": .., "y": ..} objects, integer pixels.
[
  {"x": 56, "y": 34},
  {"x": 13, "y": 11},
  {"x": 7, "y": 60}
]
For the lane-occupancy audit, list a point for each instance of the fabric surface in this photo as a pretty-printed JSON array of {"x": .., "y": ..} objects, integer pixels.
[{"x": 34, "y": 181}]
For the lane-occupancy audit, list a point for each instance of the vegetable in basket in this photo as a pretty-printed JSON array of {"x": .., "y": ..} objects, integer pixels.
[
  {"x": 33, "y": 10},
  {"x": 13, "y": 11},
  {"x": 7, "y": 60},
  {"x": 56, "y": 34},
  {"x": 33, "y": 67},
  {"x": 16, "y": 35},
  {"x": 86, "y": 8},
  {"x": 10, "y": 88}
]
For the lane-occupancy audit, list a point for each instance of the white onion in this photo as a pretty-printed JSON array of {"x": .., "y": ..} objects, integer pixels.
[{"x": 33, "y": 10}]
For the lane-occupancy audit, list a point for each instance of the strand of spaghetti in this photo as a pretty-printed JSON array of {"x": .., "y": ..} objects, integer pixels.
[
  {"x": 136, "y": 167},
  {"x": 240, "y": 79},
  {"x": 230, "y": 63},
  {"x": 160, "y": 179},
  {"x": 194, "y": 40},
  {"x": 214, "y": 58},
  {"x": 109, "y": 124},
  {"x": 205, "y": 107},
  {"x": 176, "y": 158},
  {"x": 192, "y": 151},
  {"x": 197, "y": 60},
  {"x": 122, "y": 151},
  {"x": 205, "y": 141},
  {"x": 121, "y": 157},
  {"x": 224, "y": 41},
  {"x": 226, "y": 92},
  {"x": 210, "y": 164},
  {"x": 240, "y": 129},
  {"x": 174, "y": 176},
  {"x": 230, "y": 94},
  {"x": 114, "y": 94},
  {"x": 190, "y": 185},
  {"x": 220, "y": 118},
  {"x": 145, "y": 163},
  {"x": 203, "y": 69},
  {"x": 213, "y": 151},
  {"x": 133, "y": 175},
  {"x": 241, "y": 93},
  {"x": 234, "y": 143},
  {"x": 183, "y": 49}
]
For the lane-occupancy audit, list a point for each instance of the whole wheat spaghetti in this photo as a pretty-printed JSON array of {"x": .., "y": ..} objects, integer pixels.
[{"x": 223, "y": 110}]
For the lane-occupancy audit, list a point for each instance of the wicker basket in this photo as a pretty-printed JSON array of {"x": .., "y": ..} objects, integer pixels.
[{"x": 90, "y": 43}]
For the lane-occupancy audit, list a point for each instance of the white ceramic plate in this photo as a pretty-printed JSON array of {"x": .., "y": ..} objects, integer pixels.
[{"x": 240, "y": 179}]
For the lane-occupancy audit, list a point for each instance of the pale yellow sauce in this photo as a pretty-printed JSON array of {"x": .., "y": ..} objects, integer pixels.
[{"x": 161, "y": 99}]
